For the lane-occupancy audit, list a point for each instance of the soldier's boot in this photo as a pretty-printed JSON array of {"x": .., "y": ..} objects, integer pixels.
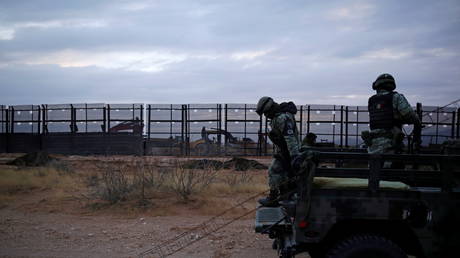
[{"x": 271, "y": 200}]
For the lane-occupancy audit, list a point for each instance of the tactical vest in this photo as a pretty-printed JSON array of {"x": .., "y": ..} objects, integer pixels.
[{"x": 381, "y": 112}]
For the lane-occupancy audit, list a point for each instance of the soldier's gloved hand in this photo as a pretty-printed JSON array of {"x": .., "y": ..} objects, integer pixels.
[{"x": 297, "y": 162}]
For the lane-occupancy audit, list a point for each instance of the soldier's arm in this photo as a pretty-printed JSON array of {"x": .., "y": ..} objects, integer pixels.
[
  {"x": 406, "y": 112},
  {"x": 289, "y": 134}
]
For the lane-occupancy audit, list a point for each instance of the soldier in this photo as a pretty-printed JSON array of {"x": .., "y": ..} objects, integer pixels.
[
  {"x": 388, "y": 111},
  {"x": 284, "y": 135}
]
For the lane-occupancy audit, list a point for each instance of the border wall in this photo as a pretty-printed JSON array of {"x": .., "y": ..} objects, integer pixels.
[{"x": 191, "y": 129}]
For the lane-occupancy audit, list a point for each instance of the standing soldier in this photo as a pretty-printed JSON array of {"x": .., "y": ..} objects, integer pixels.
[
  {"x": 388, "y": 111},
  {"x": 284, "y": 135}
]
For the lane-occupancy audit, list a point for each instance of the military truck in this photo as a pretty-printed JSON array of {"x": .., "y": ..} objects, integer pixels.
[{"x": 369, "y": 211}]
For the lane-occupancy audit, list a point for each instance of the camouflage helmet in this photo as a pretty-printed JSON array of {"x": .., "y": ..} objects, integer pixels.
[
  {"x": 265, "y": 104},
  {"x": 385, "y": 82}
]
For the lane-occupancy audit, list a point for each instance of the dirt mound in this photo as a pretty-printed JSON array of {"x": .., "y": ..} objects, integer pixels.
[
  {"x": 239, "y": 164},
  {"x": 203, "y": 163},
  {"x": 33, "y": 159},
  {"x": 242, "y": 164}
]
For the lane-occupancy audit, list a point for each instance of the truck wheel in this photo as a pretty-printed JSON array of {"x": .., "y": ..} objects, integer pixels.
[{"x": 365, "y": 246}]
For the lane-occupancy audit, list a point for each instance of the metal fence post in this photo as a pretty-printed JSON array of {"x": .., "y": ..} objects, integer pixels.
[
  {"x": 149, "y": 117},
  {"x": 458, "y": 123},
  {"x": 226, "y": 129},
  {"x": 108, "y": 118},
  {"x": 453, "y": 125},
  {"x": 341, "y": 126},
  {"x": 308, "y": 119},
  {"x": 346, "y": 126},
  {"x": 12, "y": 120}
]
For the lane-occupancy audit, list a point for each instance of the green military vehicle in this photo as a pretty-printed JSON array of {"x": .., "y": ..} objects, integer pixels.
[{"x": 369, "y": 211}]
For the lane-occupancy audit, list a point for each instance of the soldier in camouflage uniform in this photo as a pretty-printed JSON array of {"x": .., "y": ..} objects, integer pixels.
[
  {"x": 388, "y": 111},
  {"x": 284, "y": 135}
]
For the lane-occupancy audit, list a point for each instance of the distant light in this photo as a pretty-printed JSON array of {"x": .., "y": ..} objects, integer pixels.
[
  {"x": 94, "y": 109},
  {"x": 251, "y": 122},
  {"x": 19, "y": 112},
  {"x": 333, "y": 112},
  {"x": 354, "y": 124},
  {"x": 318, "y": 123},
  {"x": 63, "y": 110},
  {"x": 318, "y": 111},
  {"x": 18, "y": 123},
  {"x": 117, "y": 110},
  {"x": 158, "y": 122},
  {"x": 210, "y": 110},
  {"x": 173, "y": 122},
  {"x": 430, "y": 125},
  {"x": 332, "y": 123},
  {"x": 131, "y": 110},
  {"x": 368, "y": 125},
  {"x": 81, "y": 110},
  {"x": 236, "y": 110},
  {"x": 94, "y": 122},
  {"x": 158, "y": 110},
  {"x": 82, "y": 122},
  {"x": 444, "y": 126},
  {"x": 30, "y": 123},
  {"x": 355, "y": 113},
  {"x": 236, "y": 122},
  {"x": 406, "y": 125},
  {"x": 250, "y": 110},
  {"x": 195, "y": 122},
  {"x": 50, "y": 110},
  {"x": 30, "y": 112},
  {"x": 430, "y": 114},
  {"x": 210, "y": 122},
  {"x": 445, "y": 114},
  {"x": 195, "y": 110}
]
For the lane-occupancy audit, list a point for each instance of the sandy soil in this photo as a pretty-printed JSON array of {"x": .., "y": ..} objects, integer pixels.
[{"x": 30, "y": 228}]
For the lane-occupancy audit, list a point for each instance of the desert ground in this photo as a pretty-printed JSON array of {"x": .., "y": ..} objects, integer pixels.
[{"x": 73, "y": 207}]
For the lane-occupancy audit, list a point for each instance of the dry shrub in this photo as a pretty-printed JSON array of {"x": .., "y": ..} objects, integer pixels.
[
  {"x": 185, "y": 182},
  {"x": 118, "y": 181},
  {"x": 237, "y": 178},
  {"x": 115, "y": 184},
  {"x": 26, "y": 179}
]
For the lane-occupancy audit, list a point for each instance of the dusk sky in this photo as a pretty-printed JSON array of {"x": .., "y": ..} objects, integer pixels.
[{"x": 311, "y": 52}]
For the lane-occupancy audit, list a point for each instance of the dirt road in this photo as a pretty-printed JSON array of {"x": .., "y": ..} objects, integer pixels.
[{"x": 39, "y": 234}]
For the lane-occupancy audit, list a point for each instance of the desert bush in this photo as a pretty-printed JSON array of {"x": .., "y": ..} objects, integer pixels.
[
  {"x": 118, "y": 181},
  {"x": 237, "y": 178},
  {"x": 115, "y": 183},
  {"x": 185, "y": 182}
]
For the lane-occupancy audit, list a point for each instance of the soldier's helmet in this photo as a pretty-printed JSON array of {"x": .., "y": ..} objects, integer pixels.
[
  {"x": 385, "y": 82},
  {"x": 264, "y": 105}
]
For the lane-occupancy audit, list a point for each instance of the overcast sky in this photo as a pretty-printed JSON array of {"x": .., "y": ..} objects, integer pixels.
[{"x": 229, "y": 51}]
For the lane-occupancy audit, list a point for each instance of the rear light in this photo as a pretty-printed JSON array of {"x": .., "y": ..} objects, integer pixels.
[{"x": 303, "y": 224}]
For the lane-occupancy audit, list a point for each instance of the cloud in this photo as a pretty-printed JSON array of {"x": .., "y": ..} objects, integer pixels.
[
  {"x": 351, "y": 12},
  {"x": 227, "y": 51},
  {"x": 152, "y": 61},
  {"x": 6, "y": 33},
  {"x": 249, "y": 55},
  {"x": 387, "y": 53}
]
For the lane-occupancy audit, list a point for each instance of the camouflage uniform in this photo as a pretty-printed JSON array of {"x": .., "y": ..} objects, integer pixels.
[
  {"x": 283, "y": 129},
  {"x": 390, "y": 141}
]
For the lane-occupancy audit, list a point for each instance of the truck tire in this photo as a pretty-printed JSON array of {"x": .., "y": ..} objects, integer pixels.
[{"x": 365, "y": 246}]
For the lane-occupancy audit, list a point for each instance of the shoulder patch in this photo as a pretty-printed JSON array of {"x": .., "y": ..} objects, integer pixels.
[{"x": 289, "y": 128}]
